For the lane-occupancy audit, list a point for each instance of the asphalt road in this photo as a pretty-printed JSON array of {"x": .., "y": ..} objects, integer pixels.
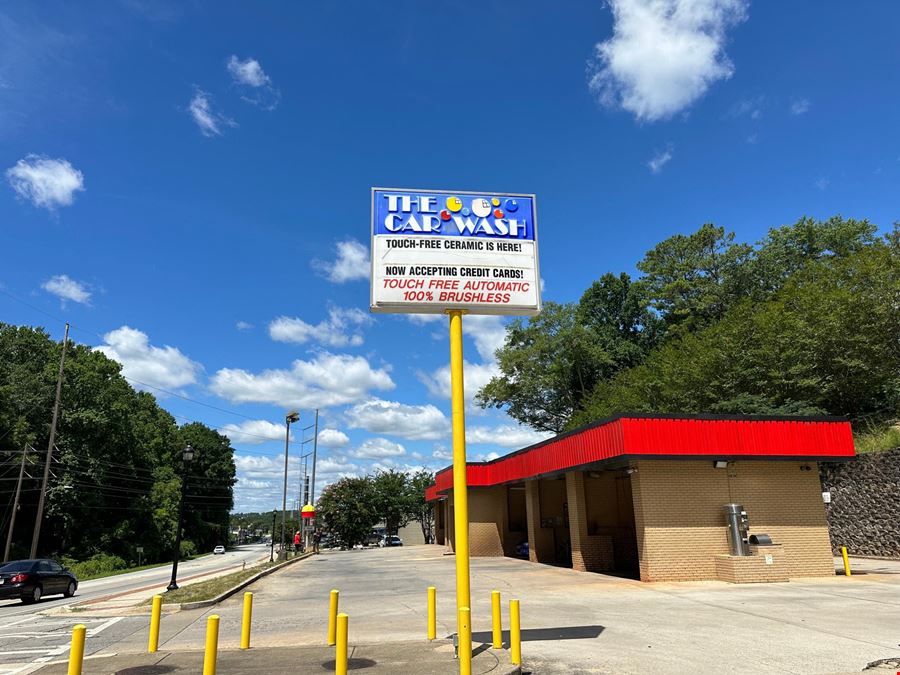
[
  {"x": 122, "y": 583},
  {"x": 28, "y": 639}
]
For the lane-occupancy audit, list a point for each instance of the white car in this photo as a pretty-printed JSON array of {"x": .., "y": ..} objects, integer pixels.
[{"x": 219, "y": 549}]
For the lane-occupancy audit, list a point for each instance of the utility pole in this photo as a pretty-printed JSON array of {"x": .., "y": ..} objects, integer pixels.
[
  {"x": 40, "y": 509},
  {"x": 12, "y": 518}
]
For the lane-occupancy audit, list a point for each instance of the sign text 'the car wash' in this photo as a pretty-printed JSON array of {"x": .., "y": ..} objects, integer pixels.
[{"x": 434, "y": 250}]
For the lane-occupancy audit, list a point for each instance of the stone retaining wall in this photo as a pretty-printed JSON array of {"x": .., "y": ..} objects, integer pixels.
[{"x": 864, "y": 513}]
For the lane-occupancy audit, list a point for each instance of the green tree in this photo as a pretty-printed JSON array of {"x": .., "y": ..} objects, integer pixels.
[
  {"x": 392, "y": 501},
  {"x": 211, "y": 477},
  {"x": 547, "y": 367},
  {"x": 692, "y": 280},
  {"x": 825, "y": 343},
  {"x": 347, "y": 510},
  {"x": 421, "y": 510},
  {"x": 115, "y": 476}
]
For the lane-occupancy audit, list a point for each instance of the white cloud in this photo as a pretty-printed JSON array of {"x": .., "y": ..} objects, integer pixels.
[
  {"x": 330, "y": 466},
  {"x": 326, "y": 380},
  {"x": 663, "y": 54},
  {"x": 823, "y": 183},
  {"x": 378, "y": 448},
  {"x": 352, "y": 263},
  {"x": 751, "y": 107},
  {"x": 66, "y": 288},
  {"x": 442, "y": 452},
  {"x": 660, "y": 159},
  {"x": 333, "y": 438},
  {"x": 800, "y": 106},
  {"x": 414, "y": 422},
  {"x": 247, "y": 72},
  {"x": 243, "y": 325},
  {"x": 46, "y": 183},
  {"x": 339, "y": 330},
  {"x": 257, "y": 87},
  {"x": 164, "y": 367},
  {"x": 254, "y": 432},
  {"x": 209, "y": 121},
  {"x": 487, "y": 332},
  {"x": 475, "y": 376},
  {"x": 505, "y": 435}
]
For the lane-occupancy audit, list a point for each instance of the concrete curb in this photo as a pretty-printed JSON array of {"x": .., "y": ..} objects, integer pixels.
[{"x": 246, "y": 582}]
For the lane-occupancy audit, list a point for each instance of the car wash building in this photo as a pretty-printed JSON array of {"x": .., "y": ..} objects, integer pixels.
[{"x": 660, "y": 498}]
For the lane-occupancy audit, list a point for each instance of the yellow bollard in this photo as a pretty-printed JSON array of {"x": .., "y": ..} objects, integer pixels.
[
  {"x": 847, "y": 571},
  {"x": 340, "y": 656},
  {"x": 248, "y": 617},
  {"x": 76, "y": 653},
  {"x": 432, "y": 613},
  {"x": 212, "y": 645},
  {"x": 153, "y": 643},
  {"x": 496, "y": 621},
  {"x": 332, "y": 615},
  {"x": 465, "y": 641},
  {"x": 515, "y": 634}
]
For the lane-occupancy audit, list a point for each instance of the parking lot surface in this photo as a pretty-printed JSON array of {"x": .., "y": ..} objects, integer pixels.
[{"x": 573, "y": 622}]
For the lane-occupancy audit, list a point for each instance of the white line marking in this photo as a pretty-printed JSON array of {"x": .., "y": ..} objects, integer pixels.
[
  {"x": 26, "y": 651},
  {"x": 102, "y": 627}
]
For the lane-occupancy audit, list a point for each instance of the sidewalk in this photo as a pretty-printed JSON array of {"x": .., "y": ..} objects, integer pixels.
[{"x": 421, "y": 658}]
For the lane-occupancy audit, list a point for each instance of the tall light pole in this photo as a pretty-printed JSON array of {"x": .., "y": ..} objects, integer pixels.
[
  {"x": 187, "y": 456},
  {"x": 292, "y": 416}
]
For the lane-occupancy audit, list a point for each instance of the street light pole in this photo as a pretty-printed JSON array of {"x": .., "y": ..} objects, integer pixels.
[
  {"x": 186, "y": 457},
  {"x": 292, "y": 416}
]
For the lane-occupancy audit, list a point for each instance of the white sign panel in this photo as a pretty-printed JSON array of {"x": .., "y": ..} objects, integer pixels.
[{"x": 433, "y": 251}]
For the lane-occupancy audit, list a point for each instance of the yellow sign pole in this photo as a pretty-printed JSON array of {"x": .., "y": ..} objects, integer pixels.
[{"x": 460, "y": 496}]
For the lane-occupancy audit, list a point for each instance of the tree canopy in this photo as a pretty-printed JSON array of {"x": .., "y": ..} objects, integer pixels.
[
  {"x": 806, "y": 321},
  {"x": 351, "y": 507},
  {"x": 116, "y": 476}
]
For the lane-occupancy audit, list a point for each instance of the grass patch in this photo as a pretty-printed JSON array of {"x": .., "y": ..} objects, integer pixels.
[
  {"x": 128, "y": 570},
  {"x": 207, "y": 590},
  {"x": 877, "y": 441}
]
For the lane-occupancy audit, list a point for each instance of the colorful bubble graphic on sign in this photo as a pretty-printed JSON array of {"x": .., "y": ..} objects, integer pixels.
[{"x": 481, "y": 208}]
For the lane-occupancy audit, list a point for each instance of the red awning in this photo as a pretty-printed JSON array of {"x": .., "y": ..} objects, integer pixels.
[{"x": 664, "y": 437}]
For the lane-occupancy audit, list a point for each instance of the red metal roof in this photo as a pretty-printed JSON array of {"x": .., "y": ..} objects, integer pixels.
[{"x": 664, "y": 437}]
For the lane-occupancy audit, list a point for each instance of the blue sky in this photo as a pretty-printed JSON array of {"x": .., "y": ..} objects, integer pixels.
[{"x": 188, "y": 183}]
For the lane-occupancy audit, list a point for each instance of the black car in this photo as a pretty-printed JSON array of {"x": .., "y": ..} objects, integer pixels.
[{"x": 30, "y": 580}]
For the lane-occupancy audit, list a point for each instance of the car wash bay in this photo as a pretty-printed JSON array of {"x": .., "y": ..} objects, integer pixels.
[{"x": 644, "y": 497}]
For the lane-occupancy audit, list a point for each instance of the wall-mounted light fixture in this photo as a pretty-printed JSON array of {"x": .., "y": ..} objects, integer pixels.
[
  {"x": 720, "y": 464},
  {"x": 805, "y": 467},
  {"x": 630, "y": 470}
]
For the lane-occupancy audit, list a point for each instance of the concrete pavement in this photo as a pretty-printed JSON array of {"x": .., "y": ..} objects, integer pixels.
[
  {"x": 391, "y": 658},
  {"x": 572, "y": 622}
]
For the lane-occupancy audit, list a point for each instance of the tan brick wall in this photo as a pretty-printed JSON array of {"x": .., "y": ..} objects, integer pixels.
[
  {"x": 487, "y": 520},
  {"x": 753, "y": 569},
  {"x": 680, "y": 521},
  {"x": 590, "y": 553}
]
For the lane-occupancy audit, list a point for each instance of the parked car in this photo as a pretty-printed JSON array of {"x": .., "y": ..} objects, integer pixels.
[
  {"x": 392, "y": 540},
  {"x": 219, "y": 549},
  {"x": 522, "y": 550},
  {"x": 30, "y": 580}
]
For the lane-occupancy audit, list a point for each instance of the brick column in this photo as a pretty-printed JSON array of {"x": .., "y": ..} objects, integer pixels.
[
  {"x": 577, "y": 517},
  {"x": 590, "y": 553},
  {"x": 533, "y": 516}
]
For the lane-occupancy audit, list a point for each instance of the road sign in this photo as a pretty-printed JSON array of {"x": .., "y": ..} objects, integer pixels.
[
  {"x": 140, "y": 549},
  {"x": 435, "y": 251}
]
